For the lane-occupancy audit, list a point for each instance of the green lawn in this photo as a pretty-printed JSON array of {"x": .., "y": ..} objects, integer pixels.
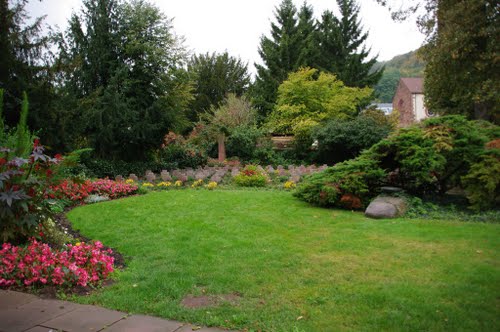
[{"x": 297, "y": 268}]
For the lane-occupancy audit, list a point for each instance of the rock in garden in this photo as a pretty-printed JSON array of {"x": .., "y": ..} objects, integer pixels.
[{"x": 386, "y": 207}]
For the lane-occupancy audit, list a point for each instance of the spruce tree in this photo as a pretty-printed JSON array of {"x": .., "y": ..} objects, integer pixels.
[
  {"x": 280, "y": 54},
  {"x": 330, "y": 47},
  {"x": 308, "y": 38},
  {"x": 342, "y": 47}
]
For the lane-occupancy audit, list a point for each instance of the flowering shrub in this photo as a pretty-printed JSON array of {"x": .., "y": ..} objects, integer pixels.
[
  {"x": 67, "y": 189},
  {"x": 178, "y": 183},
  {"x": 197, "y": 183},
  {"x": 147, "y": 185},
  {"x": 112, "y": 188},
  {"x": 38, "y": 264},
  {"x": 250, "y": 176},
  {"x": 129, "y": 181},
  {"x": 164, "y": 184},
  {"x": 211, "y": 185},
  {"x": 289, "y": 185}
]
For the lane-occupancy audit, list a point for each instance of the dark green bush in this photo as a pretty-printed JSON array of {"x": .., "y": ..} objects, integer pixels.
[
  {"x": 101, "y": 168},
  {"x": 181, "y": 155},
  {"x": 341, "y": 140},
  {"x": 350, "y": 184},
  {"x": 173, "y": 156},
  {"x": 243, "y": 141}
]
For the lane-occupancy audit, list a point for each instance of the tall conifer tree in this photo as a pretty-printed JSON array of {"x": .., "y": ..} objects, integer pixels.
[
  {"x": 124, "y": 78},
  {"x": 308, "y": 38},
  {"x": 23, "y": 66},
  {"x": 342, "y": 46},
  {"x": 280, "y": 54}
]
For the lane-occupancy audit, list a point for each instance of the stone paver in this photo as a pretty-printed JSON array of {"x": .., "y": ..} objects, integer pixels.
[
  {"x": 138, "y": 323},
  {"x": 32, "y": 314},
  {"x": 20, "y": 312},
  {"x": 84, "y": 319},
  {"x": 41, "y": 329},
  {"x": 9, "y": 299}
]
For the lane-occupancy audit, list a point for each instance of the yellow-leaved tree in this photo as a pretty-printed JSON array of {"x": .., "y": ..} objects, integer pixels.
[{"x": 309, "y": 97}]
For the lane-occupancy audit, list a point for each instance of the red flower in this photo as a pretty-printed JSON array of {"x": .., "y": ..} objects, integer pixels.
[
  {"x": 58, "y": 156},
  {"x": 3, "y": 161}
]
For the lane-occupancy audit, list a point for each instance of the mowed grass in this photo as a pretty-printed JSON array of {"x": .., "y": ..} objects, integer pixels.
[{"x": 296, "y": 267}]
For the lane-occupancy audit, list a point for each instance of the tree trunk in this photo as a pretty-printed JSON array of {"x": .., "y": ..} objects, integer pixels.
[{"x": 222, "y": 147}]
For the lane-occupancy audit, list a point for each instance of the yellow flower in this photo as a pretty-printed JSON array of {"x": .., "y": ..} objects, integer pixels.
[
  {"x": 129, "y": 181},
  {"x": 197, "y": 183},
  {"x": 164, "y": 184},
  {"x": 78, "y": 244},
  {"x": 178, "y": 183},
  {"x": 289, "y": 185},
  {"x": 147, "y": 184},
  {"x": 211, "y": 185}
]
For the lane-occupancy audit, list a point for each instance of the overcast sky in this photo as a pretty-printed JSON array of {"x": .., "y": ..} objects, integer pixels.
[{"x": 236, "y": 25}]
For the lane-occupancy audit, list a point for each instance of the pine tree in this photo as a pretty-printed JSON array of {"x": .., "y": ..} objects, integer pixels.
[
  {"x": 342, "y": 47},
  {"x": 280, "y": 55}
]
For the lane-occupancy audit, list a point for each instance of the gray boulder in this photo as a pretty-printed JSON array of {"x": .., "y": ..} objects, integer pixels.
[{"x": 386, "y": 207}]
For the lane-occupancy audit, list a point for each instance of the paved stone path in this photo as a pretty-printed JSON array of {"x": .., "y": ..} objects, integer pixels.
[{"x": 20, "y": 312}]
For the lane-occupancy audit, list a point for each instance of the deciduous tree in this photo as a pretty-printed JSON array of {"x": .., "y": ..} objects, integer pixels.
[
  {"x": 308, "y": 97},
  {"x": 215, "y": 76}
]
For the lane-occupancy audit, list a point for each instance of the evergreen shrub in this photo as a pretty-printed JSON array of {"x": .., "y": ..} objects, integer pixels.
[{"x": 425, "y": 159}]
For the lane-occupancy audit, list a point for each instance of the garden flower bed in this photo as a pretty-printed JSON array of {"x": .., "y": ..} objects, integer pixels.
[
  {"x": 211, "y": 177},
  {"x": 38, "y": 264}
]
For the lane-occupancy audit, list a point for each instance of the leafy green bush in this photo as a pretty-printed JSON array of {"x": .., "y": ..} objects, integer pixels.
[
  {"x": 250, "y": 176},
  {"x": 243, "y": 141},
  {"x": 341, "y": 140},
  {"x": 23, "y": 183}
]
